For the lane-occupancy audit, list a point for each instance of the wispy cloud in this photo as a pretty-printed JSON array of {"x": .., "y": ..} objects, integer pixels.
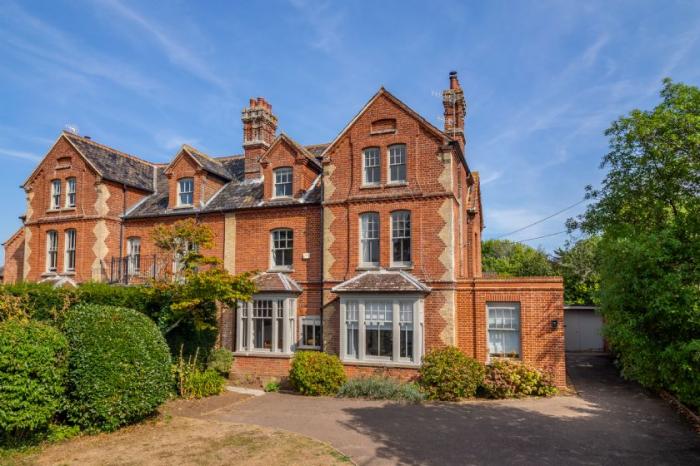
[
  {"x": 325, "y": 20},
  {"x": 178, "y": 53},
  {"x": 18, "y": 154},
  {"x": 491, "y": 177},
  {"x": 171, "y": 141}
]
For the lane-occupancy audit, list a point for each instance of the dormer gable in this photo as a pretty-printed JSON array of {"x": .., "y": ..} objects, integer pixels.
[
  {"x": 287, "y": 162},
  {"x": 194, "y": 178}
]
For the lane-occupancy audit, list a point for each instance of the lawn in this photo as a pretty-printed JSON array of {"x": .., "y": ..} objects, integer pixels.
[{"x": 180, "y": 436}]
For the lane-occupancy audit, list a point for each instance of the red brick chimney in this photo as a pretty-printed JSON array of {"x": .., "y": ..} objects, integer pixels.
[
  {"x": 455, "y": 109},
  {"x": 259, "y": 127}
]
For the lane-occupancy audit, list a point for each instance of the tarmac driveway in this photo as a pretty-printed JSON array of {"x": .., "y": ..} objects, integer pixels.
[{"x": 611, "y": 422}]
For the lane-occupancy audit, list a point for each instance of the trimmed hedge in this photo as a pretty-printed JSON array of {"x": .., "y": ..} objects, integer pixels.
[
  {"x": 33, "y": 365},
  {"x": 119, "y": 366},
  {"x": 447, "y": 374},
  {"x": 511, "y": 379},
  {"x": 315, "y": 373}
]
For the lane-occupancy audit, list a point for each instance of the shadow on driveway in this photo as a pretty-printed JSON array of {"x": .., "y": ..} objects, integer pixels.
[{"x": 611, "y": 422}]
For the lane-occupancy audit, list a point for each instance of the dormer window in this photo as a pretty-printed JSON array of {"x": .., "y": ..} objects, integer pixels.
[
  {"x": 70, "y": 192},
  {"x": 56, "y": 194},
  {"x": 283, "y": 182},
  {"x": 185, "y": 192},
  {"x": 397, "y": 163}
]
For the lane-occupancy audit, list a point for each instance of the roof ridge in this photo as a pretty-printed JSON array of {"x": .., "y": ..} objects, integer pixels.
[
  {"x": 104, "y": 146},
  {"x": 199, "y": 152}
]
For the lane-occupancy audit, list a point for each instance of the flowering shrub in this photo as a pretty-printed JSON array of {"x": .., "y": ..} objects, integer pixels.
[
  {"x": 510, "y": 379},
  {"x": 447, "y": 374}
]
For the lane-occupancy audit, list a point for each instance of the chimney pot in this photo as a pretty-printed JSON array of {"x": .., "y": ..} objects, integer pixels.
[{"x": 454, "y": 82}]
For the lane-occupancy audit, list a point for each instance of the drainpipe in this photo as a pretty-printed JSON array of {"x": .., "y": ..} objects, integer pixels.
[{"x": 121, "y": 232}]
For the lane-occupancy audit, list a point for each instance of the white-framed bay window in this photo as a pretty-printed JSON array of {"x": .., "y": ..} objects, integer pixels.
[
  {"x": 266, "y": 324},
  {"x": 503, "y": 322},
  {"x": 381, "y": 329}
]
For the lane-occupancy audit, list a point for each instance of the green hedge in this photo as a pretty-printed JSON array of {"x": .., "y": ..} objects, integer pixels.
[
  {"x": 447, "y": 374},
  {"x": 33, "y": 364},
  {"x": 315, "y": 373},
  {"x": 119, "y": 366}
]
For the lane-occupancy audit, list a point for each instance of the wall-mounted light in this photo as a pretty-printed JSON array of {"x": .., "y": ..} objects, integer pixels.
[{"x": 555, "y": 324}]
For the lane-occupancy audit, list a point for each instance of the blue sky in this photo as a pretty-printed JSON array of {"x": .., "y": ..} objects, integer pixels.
[{"x": 542, "y": 79}]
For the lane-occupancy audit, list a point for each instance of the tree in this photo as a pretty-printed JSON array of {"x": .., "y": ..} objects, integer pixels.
[
  {"x": 577, "y": 263},
  {"x": 647, "y": 212},
  {"x": 510, "y": 259},
  {"x": 201, "y": 285}
]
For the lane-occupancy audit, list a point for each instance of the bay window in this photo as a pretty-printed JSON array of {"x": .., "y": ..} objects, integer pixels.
[
  {"x": 504, "y": 329},
  {"x": 369, "y": 239},
  {"x": 401, "y": 238},
  {"x": 381, "y": 329},
  {"x": 266, "y": 324}
]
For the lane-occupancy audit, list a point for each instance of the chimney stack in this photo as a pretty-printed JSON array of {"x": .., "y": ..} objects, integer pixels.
[
  {"x": 455, "y": 110},
  {"x": 259, "y": 128}
]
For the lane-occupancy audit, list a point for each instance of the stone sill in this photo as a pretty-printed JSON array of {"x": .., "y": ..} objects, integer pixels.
[
  {"x": 365, "y": 268},
  {"x": 371, "y": 186},
  {"x": 396, "y": 184},
  {"x": 382, "y": 131},
  {"x": 280, "y": 270}
]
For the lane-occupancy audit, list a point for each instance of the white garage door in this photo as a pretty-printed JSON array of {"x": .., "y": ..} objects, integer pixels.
[{"x": 583, "y": 330}]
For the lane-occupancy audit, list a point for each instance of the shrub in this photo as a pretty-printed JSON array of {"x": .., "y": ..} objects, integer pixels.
[
  {"x": 448, "y": 374},
  {"x": 220, "y": 360},
  {"x": 315, "y": 373},
  {"x": 509, "y": 379},
  {"x": 381, "y": 388},
  {"x": 193, "y": 381},
  {"x": 119, "y": 366},
  {"x": 38, "y": 301},
  {"x": 272, "y": 386},
  {"x": 33, "y": 364},
  {"x": 133, "y": 297}
]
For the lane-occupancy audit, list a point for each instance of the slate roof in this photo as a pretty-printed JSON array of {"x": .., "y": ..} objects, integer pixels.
[
  {"x": 276, "y": 282},
  {"x": 384, "y": 281},
  {"x": 114, "y": 165},
  {"x": 207, "y": 163},
  {"x": 317, "y": 149}
]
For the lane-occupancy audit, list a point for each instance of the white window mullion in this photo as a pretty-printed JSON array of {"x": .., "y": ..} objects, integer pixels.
[
  {"x": 250, "y": 326},
  {"x": 343, "y": 329},
  {"x": 396, "y": 330},
  {"x": 286, "y": 337},
  {"x": 361, "y": 330},
  {"x": 417, "y": 331},
  {"x": 275, "y": 330}
]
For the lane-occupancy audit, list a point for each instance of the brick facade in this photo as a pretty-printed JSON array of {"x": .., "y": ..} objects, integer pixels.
[{"x": 235, "y": 197}]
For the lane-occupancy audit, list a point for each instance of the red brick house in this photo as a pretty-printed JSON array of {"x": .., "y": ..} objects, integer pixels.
[{"x": 369, "y": 246}]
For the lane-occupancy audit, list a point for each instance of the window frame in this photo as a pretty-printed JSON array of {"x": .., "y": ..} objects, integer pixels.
[
  {"x": 313, "y": 321},
  {"x": 51, "y": 251},
  {"x": 359, "y": 301},
  {"x": 276, "y": 183},
  {"x": 389, "y": 164},
  {"x": 133, "y": 261},
  {"x": 513, "y": 305},
  {"x": 376, "y": 152},
  {"x": 289, "y": 239},
  {"x": 245, "y": 340},
  {"x": 55, "y": 194},
  {"x": 71, "y": 192},
  {"x": 69, "y": 255},
  {"x": 401, "y": 263},
  {"x": 180, "y": 192},
  {"x": 362, "y": 239}
]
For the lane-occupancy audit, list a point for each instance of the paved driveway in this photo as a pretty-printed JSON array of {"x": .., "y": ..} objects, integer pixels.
[{"x": 611, "y": 422}]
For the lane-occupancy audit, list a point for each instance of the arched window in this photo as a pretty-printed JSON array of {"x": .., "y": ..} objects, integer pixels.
[
  {"x": 185, "y": 192},
  {"x": 282, "y": 248},
  {"x": 401, "y": 238},
  {"x": 283, "y": 182},
  {"x": 369, "y": 239}
]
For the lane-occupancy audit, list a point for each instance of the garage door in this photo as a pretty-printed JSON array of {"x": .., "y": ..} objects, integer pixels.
[{"x": 583, "y": 330}]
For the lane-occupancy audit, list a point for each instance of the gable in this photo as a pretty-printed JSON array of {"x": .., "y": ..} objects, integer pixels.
[{"x": 58, "y": 155}]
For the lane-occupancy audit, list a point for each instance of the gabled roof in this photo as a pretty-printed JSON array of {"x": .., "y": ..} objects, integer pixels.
[
  {"x": 15, "y": 235},
  {"x": 317, "y": 149},
  {"x": 303, "y": 150},
  {"x": 383, "y": 92},
  {"x": 205, "y": 162},
  {"x": 382, "y": 281},
  {"x": 109, "y": 163},
  {"x": 275, "y": 282}
]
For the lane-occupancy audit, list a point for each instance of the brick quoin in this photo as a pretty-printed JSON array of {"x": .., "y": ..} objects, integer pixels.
[{"x": 235, "y": 197}]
